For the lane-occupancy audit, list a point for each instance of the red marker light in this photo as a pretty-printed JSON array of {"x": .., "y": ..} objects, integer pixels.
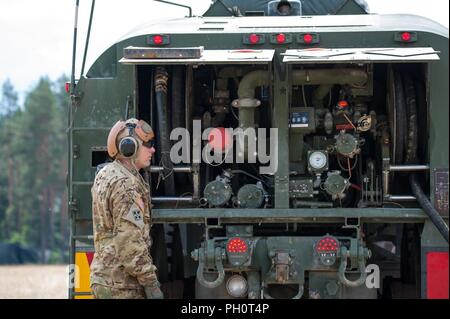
[
  {"x": 406, "y": 36},
  {"x": 237, "y": 245},
  {"x": 342, "y": 104},
  {"x": 158, "y": 39},
  {"x": 253, "y": 38},
  {"x": 281, "y": 38},
  {"x": 308, "y": 38},
  {"x": 327, "y": 244},
  {"x": 67, "y": 87}
]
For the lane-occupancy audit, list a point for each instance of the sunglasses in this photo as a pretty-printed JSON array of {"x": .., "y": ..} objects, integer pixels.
[{"x": 149, "y": 144}]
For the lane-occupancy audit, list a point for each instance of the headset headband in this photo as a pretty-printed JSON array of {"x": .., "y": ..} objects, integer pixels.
[{"x": 142, "y": 130}]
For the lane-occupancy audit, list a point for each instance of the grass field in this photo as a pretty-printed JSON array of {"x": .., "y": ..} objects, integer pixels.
[{"x": 33, "y": 281}]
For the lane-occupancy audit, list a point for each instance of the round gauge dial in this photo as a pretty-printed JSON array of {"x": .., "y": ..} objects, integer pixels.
[{"x": 317, "y": 160}]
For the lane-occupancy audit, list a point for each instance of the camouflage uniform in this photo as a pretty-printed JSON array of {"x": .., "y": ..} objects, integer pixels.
[{"x": 122, "y": 263}]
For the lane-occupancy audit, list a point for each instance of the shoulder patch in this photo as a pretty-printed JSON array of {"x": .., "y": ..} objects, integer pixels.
[{"x": 135, "y": 216}]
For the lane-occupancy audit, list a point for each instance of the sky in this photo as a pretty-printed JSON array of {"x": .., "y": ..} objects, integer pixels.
[{"x": 36, "y": 37}]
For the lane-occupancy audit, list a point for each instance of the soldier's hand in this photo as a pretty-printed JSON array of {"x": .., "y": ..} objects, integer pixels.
[{"x": 153, "y": 291}]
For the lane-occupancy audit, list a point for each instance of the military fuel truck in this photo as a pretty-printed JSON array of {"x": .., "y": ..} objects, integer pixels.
[{"x": 301, "y": 150}]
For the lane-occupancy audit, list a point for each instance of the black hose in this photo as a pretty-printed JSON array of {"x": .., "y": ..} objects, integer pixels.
[
  {"x": 400, "y": 118},
  {"x": 411, "y": 157},
  {"x": 411, "y": 114},
  {"x": 434, "y": 215},
  {"x": 178, "y": 111},
  {"x": 161, "y": 78},
  {"x": 177, "y": 90}
]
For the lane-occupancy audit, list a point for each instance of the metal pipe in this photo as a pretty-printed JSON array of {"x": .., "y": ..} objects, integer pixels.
[
  {"x": 172, "y": 199},
  {"x": 157, "y": 169},
  {"x": 386, "y": 183},
  {"x": 178, "y": 5},
  {"x": 319, "y": 94},
  {"x": 408, "y": 168},
  {"x": 189, "y": 96},
  {"x": 87, "y": 38},
  {"x": 74, "y": 48},
  {"x": 196, "y": 180},
  {"x": 329, "y": 76},
  {"x": 251, "y": 81},
  {"x": 70, "y": 142},
  {"x": 89, "y": 237},
  {"x": 303, "y": 77},
  {"x": 400, "y": 198}
]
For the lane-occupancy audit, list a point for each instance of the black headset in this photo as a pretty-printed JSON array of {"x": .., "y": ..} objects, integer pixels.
[{"x": 128, "y": 146}]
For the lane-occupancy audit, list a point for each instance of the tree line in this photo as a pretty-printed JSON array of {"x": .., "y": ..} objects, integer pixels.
[{"x": 33, "y": 168}]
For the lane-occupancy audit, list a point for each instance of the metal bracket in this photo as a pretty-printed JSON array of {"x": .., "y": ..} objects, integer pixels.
[
  {"x": 282, "y": 262},
  {"x": 75, "y": 100},
  {"x": 348, "y": 224},
  {"x": 73, "y": 204}
]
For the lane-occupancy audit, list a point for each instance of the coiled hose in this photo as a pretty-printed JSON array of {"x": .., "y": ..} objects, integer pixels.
[
  {"x": 411, "y": 151},
  {"x": 434, "y": 215}
]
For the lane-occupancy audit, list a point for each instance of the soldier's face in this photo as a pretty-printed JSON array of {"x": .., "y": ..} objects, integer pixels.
[{"x": 144, "y": 156}]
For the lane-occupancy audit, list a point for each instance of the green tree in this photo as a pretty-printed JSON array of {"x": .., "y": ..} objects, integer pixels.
[
  {"x": 9, "y": 100},
  {"x": 33, "y": 204},
  {"x": 61, "y": 157},
  {"x": 37, "y": 171},
  {"x": 9, "y": 110}
]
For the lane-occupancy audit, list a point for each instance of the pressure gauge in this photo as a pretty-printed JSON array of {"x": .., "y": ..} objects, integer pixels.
[{"x": 317, "y": 161}]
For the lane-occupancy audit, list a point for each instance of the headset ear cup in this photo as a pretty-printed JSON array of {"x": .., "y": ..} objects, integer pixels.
[
  {"x": 112, "y": 136},
  {"x": 128, "y": 147}
]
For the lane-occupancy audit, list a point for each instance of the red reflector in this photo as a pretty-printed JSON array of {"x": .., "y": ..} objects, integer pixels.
[
  {"x": 219, "y": 139},
  {"x": 342, "y": 104},
  {"x": 327, "y": 244},
  {"x": 67, "y": 87},
  {"x": 237, "y": 245},
  {"x": 307, "y": 38},
  {"x": 281, "y": 38},
  {"x": 157, "y": 39},
  {"x": 437, "y": 275},
  {"x": 406, "y": 36},
  {"x": 253, "y": 38}
]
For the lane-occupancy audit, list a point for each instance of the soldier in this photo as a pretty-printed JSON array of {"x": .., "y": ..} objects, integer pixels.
[{"x": 122, "y": 265}]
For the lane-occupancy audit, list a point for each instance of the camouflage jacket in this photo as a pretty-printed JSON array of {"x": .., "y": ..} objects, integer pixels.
[{"x": 121, "y": 222}]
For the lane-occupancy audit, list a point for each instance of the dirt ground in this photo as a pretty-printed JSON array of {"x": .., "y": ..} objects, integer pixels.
[{"x": 33, "y": 282}]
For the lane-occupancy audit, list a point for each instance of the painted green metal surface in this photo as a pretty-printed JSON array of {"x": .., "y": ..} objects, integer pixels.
[
  {"x": 279, "y": 215},
  {"x": 280, "y": 121}
]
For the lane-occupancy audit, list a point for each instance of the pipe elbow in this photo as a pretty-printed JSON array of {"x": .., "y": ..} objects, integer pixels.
[{"x": 250, "y": 82}]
